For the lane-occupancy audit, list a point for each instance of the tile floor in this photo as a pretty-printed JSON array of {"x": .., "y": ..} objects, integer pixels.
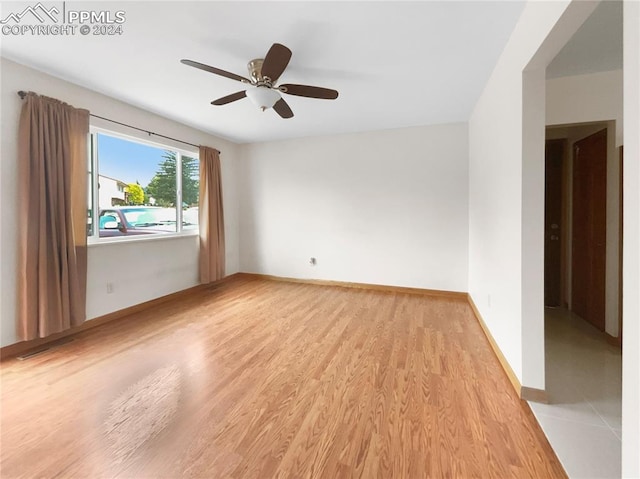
[{"x": 584, "y": 383}]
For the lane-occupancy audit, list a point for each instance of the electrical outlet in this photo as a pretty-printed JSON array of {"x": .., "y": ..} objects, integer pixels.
[
  {"x": 312, "y": 261},
  {"x": 109, "y": 288}
]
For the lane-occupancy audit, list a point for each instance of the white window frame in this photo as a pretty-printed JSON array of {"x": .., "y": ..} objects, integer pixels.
[{"x": 95, "y": 238}]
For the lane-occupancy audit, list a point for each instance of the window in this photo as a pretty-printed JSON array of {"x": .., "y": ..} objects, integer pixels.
[{"x": 137, "y": 188}]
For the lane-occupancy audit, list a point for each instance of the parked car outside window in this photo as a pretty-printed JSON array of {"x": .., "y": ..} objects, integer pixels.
[
  {"x": 137, "y": 220},
  {"x": 190, "y": 218}
]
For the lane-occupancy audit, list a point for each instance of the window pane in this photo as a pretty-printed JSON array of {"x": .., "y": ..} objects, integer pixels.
[
  {"x": 136, "y": 188},
  {"x": 190, "y": 192}
]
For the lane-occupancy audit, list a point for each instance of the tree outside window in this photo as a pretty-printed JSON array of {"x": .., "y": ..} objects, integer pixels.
[{"x": 162, "y": 186}]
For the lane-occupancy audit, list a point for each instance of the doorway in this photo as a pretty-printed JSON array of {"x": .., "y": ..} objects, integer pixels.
[
  {"x": 583, "y": 368},
  {"x": 581, "y": 242}
]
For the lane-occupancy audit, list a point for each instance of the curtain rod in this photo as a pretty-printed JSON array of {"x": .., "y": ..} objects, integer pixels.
[{"x": 23, "y": 94}]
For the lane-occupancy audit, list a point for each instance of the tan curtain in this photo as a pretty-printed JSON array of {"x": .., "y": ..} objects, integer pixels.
[
  {"x": 52, "y": 208},
  {"x": 211, "y": 217}
]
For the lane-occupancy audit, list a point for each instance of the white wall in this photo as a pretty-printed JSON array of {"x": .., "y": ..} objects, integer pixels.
[
  {"x": 387, "y": 207},
  {"x": 586, "y": 98},
  {"x": 631, "y": 248},
  {"x": 140, "y": 271},
  {"x": 495, "y": 188},
  {"x": 506, "y": 187}
]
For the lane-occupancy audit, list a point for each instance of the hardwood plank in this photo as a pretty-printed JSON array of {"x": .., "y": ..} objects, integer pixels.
[{"x": 275, "y": 379}]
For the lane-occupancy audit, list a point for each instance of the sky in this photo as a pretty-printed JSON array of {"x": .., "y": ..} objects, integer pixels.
[{"x": 127, "y": 161}]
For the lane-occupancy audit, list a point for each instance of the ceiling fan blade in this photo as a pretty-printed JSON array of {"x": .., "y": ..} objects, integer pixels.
[
  {"x": 309, "y": 91},
  {"x": 229, "y": 98},
  {"x": 282, "y": 108},
  {"x": 215, "y": 70},
  {"x": 276, "y": 61}
]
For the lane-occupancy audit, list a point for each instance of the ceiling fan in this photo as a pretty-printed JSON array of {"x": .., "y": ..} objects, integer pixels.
[{"x": 262, "y": 89}]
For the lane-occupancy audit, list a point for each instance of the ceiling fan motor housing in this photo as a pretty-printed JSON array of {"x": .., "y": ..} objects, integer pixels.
[{"x": 255, "y": 70}]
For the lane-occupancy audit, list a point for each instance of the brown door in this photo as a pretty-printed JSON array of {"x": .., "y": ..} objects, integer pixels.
[
  {"x": 589, "y": 228},
  {"x": 554, "y": 158}
]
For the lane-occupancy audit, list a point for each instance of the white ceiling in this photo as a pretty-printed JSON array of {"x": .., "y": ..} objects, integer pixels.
[
  {"x": 395, "y": 64},
  {"x": 595, "y": 47}
]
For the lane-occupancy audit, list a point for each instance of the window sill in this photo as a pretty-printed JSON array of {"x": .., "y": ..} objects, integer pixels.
[{"x": 92, "y": 242}]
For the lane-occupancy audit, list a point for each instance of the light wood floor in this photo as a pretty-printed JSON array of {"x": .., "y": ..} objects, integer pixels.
[{"x": 257, "y": 378}]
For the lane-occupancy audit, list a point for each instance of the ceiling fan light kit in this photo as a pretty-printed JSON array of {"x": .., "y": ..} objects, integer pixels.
[
  {"x": 264, "y": 74},
  {"x": 263, "y": 97}
]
